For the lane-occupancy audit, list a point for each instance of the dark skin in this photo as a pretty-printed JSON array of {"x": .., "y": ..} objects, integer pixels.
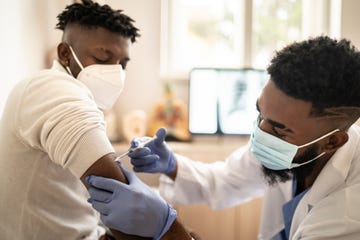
[
  {"x": 290, "y": 119},
  {"x": 100, "y": 46}
]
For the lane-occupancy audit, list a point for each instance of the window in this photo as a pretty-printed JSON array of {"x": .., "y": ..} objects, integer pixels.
[
  {"x": 204, "y": 33},
  {"x": 275, "y": 23},
  {"x": 236, "y": 33}
]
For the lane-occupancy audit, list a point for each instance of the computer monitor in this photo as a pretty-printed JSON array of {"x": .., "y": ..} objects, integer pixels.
[{"x": 223, "y": 101}]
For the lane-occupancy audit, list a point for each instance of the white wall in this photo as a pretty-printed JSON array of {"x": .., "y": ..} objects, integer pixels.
[
  {"x": 350, "y": 18},
  {"x": 27, "y": 35},
  {"x": 11, "y": 48}
]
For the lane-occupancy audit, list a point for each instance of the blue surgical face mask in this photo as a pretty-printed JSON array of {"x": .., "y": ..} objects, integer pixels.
[{"x": 275, "y": 153}]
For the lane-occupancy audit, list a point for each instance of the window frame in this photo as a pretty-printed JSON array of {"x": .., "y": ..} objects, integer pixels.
[{"x": 325, "y": 13}]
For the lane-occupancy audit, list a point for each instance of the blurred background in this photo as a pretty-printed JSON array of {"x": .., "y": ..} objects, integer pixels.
[{"x": 176, "y": 37}]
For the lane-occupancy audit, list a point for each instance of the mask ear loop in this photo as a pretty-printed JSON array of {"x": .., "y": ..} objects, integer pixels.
[
  {"x": 318, "y": 139},
  {"x": 68, "y": 70},
  {"x": 295, "y": 165},
  {"x": 76, "y": 60}
]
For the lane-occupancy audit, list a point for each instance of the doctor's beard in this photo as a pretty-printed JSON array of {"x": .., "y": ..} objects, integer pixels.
[{"x": 272, "y": 177}]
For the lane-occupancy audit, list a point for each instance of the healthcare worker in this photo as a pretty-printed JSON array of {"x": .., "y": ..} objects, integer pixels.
[
  {"x": 53, "y": 132},
  {"x": 303, "y": 156}
]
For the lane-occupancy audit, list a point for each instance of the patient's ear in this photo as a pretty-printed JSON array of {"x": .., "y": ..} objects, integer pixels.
[
  {"x": 64, "y": 54},
  {"x": 335, "y": 141}
]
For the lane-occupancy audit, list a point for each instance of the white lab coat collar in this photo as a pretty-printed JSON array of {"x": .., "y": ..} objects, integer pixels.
[{"x": 330, "y": 178}]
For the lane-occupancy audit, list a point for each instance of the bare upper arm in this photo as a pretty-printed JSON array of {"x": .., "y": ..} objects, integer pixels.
[{"x": 105, "y": 167}]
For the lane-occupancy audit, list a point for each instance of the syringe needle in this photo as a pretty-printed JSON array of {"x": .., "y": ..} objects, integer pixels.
[
  {"x": 141, "y": 143},
  {"x": 122, "y": 156}
]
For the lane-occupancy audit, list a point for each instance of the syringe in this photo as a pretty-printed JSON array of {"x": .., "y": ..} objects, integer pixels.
[{"x": 142, "y": 141}]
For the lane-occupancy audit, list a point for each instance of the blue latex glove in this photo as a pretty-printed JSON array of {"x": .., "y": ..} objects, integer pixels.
[
  {"x": 154, "y": 157},
  {"x": 132, "y": 209}
]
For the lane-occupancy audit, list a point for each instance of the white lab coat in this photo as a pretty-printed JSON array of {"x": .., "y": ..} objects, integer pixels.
[{"x": 329, "y": 210}]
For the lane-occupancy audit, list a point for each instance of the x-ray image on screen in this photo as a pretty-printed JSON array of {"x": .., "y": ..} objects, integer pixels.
[{"x": 223, "y": 100}]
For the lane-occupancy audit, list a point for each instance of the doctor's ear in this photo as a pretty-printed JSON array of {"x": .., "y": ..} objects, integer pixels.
[
  {"x": 335, "y": 141},
  {"x": 64, "y": 54}
]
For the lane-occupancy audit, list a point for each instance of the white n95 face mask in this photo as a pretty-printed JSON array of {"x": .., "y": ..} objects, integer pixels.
[
  {"x": 105, "y": 81},
  {"x": 275, "y": 153}
]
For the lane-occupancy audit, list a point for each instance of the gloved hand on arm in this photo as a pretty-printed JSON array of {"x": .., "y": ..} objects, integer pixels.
[
  {"x": 154, "y": 157},
  {"x": 133, "y": 209}
]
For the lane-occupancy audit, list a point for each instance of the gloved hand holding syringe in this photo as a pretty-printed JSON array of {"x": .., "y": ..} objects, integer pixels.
[
  {"x": 151, "y": 155},
  {"x": 136, "y": 144}
]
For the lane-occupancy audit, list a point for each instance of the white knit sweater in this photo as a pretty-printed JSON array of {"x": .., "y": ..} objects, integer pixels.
[{"x": 51, "y": 132}]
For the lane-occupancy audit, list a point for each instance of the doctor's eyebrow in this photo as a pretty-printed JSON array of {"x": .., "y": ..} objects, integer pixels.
[{"x": 272, "y": 122}]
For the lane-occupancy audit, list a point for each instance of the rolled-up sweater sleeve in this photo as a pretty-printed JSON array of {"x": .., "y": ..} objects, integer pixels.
[{"x": 58, "y": 116}]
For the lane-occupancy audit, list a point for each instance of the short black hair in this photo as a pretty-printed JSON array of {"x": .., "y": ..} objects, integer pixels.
[
  {"x": 90, "y": 14},
  {"x": 321, "y": 70}
]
